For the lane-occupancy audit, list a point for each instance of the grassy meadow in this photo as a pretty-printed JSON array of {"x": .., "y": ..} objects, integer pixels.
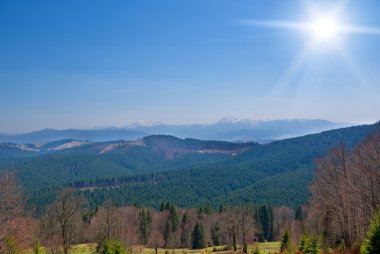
[{"x": 90, "y": 248}]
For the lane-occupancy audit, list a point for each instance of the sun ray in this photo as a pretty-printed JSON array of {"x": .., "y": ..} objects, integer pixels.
[
  {"x": 285, "y": 81},
  {"x": 275, "y": 24},
  {"x": 355, "y": 69},
  {"x": 355, "y": 29},
  {"x": 319, "y": 23}
]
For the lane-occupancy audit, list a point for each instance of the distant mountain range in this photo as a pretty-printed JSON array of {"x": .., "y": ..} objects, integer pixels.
[{"x": 227, "y": 129}]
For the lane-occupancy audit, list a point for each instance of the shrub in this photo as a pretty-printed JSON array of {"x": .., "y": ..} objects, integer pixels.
[
  {"x": 10, "y": 246},
  {"x": 309, "y": 245},
  {"x": 371, "y": 244},
  {"x": 111, "y": 247}
]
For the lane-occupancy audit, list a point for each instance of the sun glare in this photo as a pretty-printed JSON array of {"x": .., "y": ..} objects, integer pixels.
[{"x": 324, "y": 28}]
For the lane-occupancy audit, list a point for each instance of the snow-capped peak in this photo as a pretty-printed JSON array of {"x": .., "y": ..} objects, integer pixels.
[
  {"x": 143, "y": 123},
  {"x": 235, "y": 120}
]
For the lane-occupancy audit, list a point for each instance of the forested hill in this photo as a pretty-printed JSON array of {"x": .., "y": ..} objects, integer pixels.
[{"x": 186, "y": 172}]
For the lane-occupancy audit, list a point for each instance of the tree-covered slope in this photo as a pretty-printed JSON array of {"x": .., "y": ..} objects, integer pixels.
[
  {"x": 277, "y": 173},
  {"x": 186, "y": 172}
]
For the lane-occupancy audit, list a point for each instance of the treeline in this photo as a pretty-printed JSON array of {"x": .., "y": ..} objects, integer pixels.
[
  {"x": 346, "y": 194},
  {"x": 67, "y": 221},
  {"x": 169, "y": 142}
]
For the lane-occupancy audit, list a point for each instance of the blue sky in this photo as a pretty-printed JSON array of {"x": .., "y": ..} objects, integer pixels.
[{"x": 83, "y": 64}]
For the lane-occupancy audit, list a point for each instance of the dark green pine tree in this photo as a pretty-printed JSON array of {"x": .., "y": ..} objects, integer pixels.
[
  {"x": 198, "y": 236},
  {"x": 162, "y": 207},
  {"x": 184, "y": 232},
  {"x": 149, "y": 217},
  {"x": 167, "y": 206},
  {"x": 371, "y": 244},
  {"x": 264, "y": 221},
  {"x": 144, "y": 224},
  {"x": 166, "y": 233},
  {"x": 265, "y": 218},
  {"x": 208, "y": 209},
  {"x": 173, "y": 218},
  {"x": 171, "y": 224},
  {"x": 215, "y": 234},
  {"x": 298, "y": 214},
  {"x": 200, "y": 210},
  {"x": 271, "y": 223},
  {"x": 285, "y": 241},
  {"x": 221, "y": 209}
]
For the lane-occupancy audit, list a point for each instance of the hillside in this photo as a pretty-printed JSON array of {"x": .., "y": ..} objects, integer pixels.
[
  {"x": 187, "y": 172},
  {"x": 278, "y": 173}
]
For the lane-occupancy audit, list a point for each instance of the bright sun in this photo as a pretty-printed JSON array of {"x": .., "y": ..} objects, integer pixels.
[{"x": 324, "y": 28}]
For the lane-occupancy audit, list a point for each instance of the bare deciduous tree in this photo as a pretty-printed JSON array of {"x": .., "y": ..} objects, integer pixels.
[
  {"x": 346, "y": 191},
  {"x": 129, "y": 226},
  {"x": 246, "y": 225},
  {"x": 13, "y": 222},
  {"x": 156, "y": 238},
  {"x": 64, "y": 215},
  {"x": 108, "y": 222},
  {"x": 231, "y": 226}
]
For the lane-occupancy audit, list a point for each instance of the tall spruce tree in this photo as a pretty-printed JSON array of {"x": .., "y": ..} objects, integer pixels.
[
  {"x": 298, "y": 214},
  {"x": 271, "y": 223},
  {"x": 184, "y": 230},
  {"x": 171, "y": 224},
  {"x": 198, "y": 236},
  {"x": 173, "y": 218},
  {"x": 144, "y": 226},
  {"x": 221, "y": 209},
  {"x": 208, "y": 209},
  {"x": 215, "y": 234},
  {"x": 166, "y": 233},
  {"x": 162, "y": 206},
  {"x": 200, "y": 210},
  {"x": 285, "y": 241},
  {"x": 265, "y": 218}
]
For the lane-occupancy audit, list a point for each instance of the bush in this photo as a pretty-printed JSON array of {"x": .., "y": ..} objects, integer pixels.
[
  {"x": 10, "y": 247},
  {"x": 309, "y": 245},
  {"x": 371, "y": 244},
  {"x": 111, "y": 247}
]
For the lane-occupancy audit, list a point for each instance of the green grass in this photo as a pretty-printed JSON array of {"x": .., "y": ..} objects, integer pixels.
[
  {"x": 266, "y": 248},
  {"x": 90, "y": 248},
  {"x": 85, "y": 248}
]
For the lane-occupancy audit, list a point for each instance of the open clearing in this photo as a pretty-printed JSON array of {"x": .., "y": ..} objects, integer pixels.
[{"x": 90, "y": 248}]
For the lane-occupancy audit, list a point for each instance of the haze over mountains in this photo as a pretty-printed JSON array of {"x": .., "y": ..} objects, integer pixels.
[{"x": 227, "y": 129}]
